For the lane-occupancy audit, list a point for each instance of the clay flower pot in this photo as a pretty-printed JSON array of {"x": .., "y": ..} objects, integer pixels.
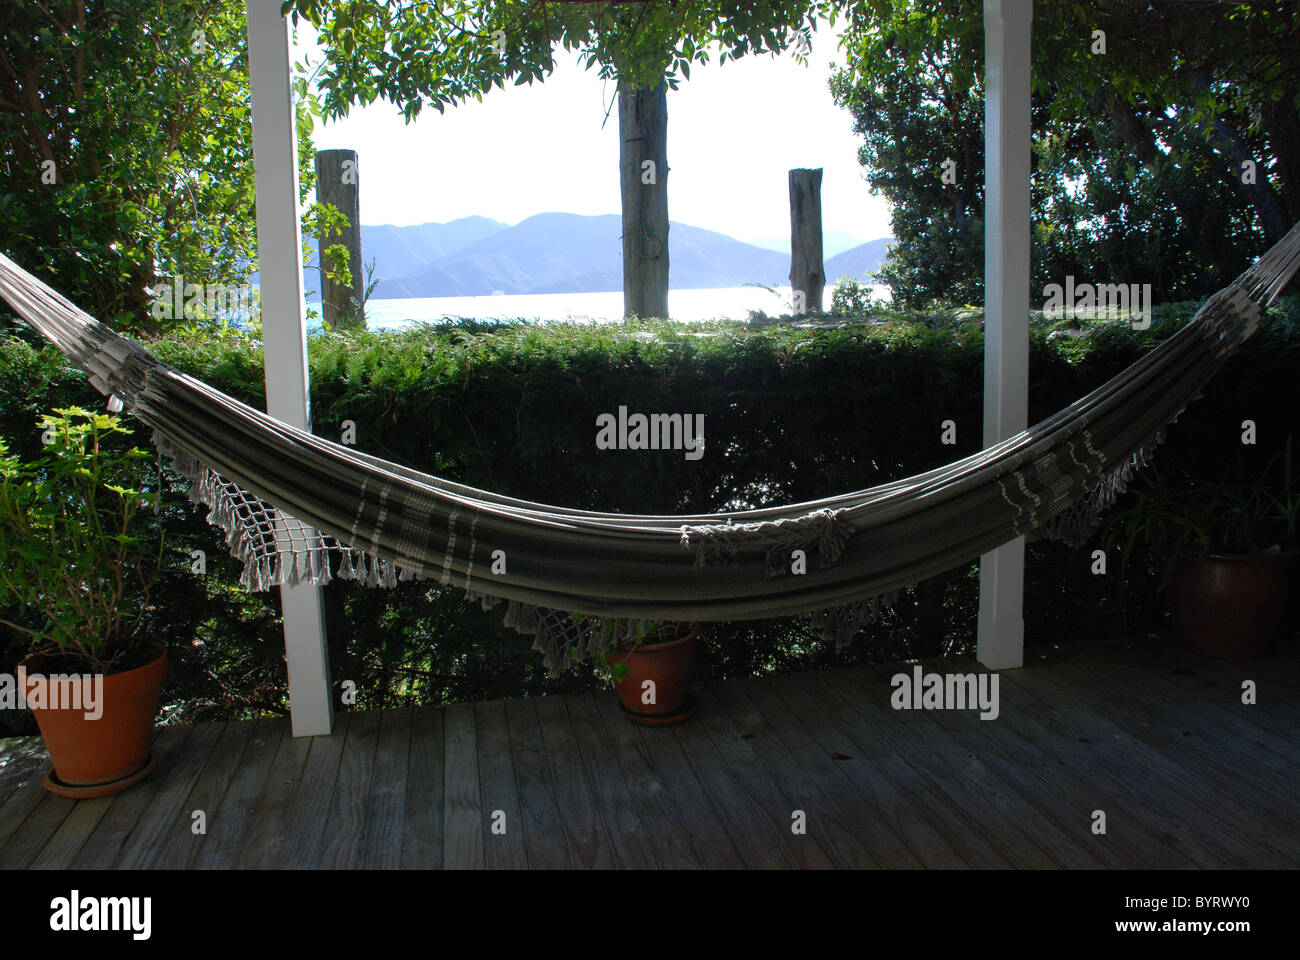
[
  {"x": 654, "y": 691},
  {"x": 1225, "y": 605},
  {"x": 96, "y": 756}
]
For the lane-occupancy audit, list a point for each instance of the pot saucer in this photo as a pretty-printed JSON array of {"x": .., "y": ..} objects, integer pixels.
[
  {"x": 662, "y": 719},
  {"x": 59, "y": 788}
]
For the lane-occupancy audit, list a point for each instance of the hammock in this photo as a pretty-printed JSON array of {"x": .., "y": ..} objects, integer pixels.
[{"x": 295, "y": 507}]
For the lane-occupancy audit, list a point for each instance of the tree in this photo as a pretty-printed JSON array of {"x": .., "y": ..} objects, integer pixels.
[
  {"x": 418, "y": 53},
  {"x": 127, "y": 148},
  {"x": 1142, "y": 115}
]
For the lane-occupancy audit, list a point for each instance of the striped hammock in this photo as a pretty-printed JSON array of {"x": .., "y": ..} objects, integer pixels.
[{"x": 295, "y": 507}]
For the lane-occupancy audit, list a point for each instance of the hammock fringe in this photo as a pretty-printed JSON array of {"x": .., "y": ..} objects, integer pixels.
[
  {"x": 839, "y": 625},
  {"x": 1074, "y": 525},
  {"x": 821, "y": 532},
  {"x": 269, "y": 561}
]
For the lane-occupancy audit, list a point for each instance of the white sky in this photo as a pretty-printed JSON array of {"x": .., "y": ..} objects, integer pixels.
[{"x": 734, "y": 130}]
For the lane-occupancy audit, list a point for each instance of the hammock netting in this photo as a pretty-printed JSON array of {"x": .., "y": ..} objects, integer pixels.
[{"x": 295, "y": 507}]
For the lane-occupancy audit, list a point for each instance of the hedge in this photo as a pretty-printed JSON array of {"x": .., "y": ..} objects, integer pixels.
[{"x": 791, "y": 413}]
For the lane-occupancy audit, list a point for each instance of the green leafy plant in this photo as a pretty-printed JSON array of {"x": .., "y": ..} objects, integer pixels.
[
  {"x": 113, "y": 185},
  {"x": 850, "y": 298},
  {"x": 74, "y": 552},
  {"x": 1197, "y": 518}
]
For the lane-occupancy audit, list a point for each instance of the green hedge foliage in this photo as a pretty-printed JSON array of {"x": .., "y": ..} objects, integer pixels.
[{"x": 791, "y": 413}]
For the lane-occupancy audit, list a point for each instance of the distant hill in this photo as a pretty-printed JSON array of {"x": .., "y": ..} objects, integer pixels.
[
  {"x": 404, "y": 250},
  {"x": 568, "y": 253},
  {"x": 398, "y": 251},
  {"x": 860, "y": 262},
  {"x": 834, "y": 242}
]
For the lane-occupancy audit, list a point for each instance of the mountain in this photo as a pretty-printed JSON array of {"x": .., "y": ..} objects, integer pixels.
[
  {"x": 834, "y": 242},
  {"x": 860, "y": 262},
  {"x": 569, "y": 253},
  {"x": 566, "y": 253},
  {"x": 399, "y": 251}
]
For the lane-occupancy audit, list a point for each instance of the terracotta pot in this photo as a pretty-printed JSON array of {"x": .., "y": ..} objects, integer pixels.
[
  {"x": 1225, "y": 605},
  {"x": 669, "y": 665},
  {"x": 88, "y": 752}
]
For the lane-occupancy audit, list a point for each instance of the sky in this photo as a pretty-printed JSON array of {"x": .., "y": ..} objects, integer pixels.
[{"x": 734, "y": 130}]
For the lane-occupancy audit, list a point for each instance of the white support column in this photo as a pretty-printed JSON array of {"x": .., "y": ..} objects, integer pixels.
[
  {"x": 1007, "y": 27},
  {"x": 284, "y": 328}
]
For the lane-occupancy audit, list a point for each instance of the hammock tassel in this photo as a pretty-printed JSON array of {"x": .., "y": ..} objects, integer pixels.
[{"x": 821, "y": 532}]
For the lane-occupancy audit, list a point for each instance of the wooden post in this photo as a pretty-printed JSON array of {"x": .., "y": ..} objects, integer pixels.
[
  {"x": 807, "y": 269},
  {"x": 1007, "y": 27},
  {"x": 284, "y": 328},
  {"x": 337, "y": 176},
  {"x": 643, "y": 180}
]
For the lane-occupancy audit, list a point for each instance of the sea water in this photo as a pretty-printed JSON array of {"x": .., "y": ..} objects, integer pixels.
[{"x": 732, "y": 303}]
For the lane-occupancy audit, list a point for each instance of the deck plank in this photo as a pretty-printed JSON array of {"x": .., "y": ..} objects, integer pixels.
[
  {"x": 1023, "y": 748},
  {"x": 1055, "y": 820},
  {"x": 962, "y": 779},
  {"x": 40, "y": 827},
  {"x": 341, "y": 849},
  {"x": 1222, "y": 731},
  {"x": 628, "y": 833},
  {"x": 143, "y": 844},
  {"x": 666, "y": 833},
  {"x": 304, "y": 831},
  {"x": 834, "y": 807},
  {"x": 1158, "y": 785},
  {"x": 422, "y": 842},
  {"x": 1130, "y": 822},
  {"x": 696, "y": 815},
  {"x": 20, "y": 758},
  {"x": 759, "y": 846},
  {"x": 62, "y": 849},
  {"x": 1132, "y": 809},
  {"x": 908, "y": 823},
  {"x": 1151, "y": 734},
  {"x": 463, "y": 823},
  {"x": 181, "y": 845},
  {"x": 584, "y": 827},
  {"x": 1222, "y": 780},
  {"x": 1181, "y": 731},
  {"x": 386, "y": 812},
  {"x": 231, "y": 820},
  {"x": 544, "y": 833},
  {"x": 496, "y": 771},
  {"x": 26, "y": 795},
  {"x": 264, "y": 845},
  {"x": 771, "y": 805}
]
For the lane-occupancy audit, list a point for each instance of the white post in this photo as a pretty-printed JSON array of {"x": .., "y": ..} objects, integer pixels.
[
  {"x": 1007, "y": 25},
  {"x": 284, "y": 328}
]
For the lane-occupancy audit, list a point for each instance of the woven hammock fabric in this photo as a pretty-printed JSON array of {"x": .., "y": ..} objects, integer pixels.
[{"x": 297, "y": 507}]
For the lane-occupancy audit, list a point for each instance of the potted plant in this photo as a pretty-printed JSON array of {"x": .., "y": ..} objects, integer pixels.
[
  {"x": 80, "y": 561},
  {"x": 1229, "y": 549},
  {"x": 649, "y": 664}
]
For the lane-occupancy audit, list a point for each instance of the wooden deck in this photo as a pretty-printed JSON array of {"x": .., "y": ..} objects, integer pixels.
[{"x": 1186, "y": 775}]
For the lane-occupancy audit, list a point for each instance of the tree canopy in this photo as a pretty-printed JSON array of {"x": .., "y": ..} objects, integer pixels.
[
  {"x": 1143, "y": 116},
  {"x": 436, "y": 53},
  {"x": 127, "y": 139}
]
